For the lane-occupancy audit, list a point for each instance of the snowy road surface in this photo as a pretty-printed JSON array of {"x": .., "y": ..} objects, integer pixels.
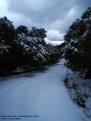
[{"x": 41, "y": 97}]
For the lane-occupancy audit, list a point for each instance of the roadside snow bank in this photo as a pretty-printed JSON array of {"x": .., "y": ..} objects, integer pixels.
[{"x": 80, "y": 91}]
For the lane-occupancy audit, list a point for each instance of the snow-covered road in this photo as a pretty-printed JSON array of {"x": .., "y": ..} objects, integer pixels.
[{"x": 40, "y": 97}]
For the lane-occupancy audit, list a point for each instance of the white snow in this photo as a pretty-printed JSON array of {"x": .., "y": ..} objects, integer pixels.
[
  {"x": 4, "y": 47},
  {"x": 82, "y": 88},
  {"x": 43, "y": 95}
]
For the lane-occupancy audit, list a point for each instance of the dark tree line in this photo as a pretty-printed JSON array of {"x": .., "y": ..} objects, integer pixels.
[
  {"x": 21, "y": 47},
  {"x": 77, "y": 46}
]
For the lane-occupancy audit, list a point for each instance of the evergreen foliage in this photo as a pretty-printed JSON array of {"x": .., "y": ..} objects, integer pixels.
[
  {"x": 24, "y": 48},
  {"x": 77, "y": 47}
]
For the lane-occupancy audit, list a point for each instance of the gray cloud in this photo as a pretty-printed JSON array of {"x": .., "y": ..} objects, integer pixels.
[
  {"x": 54, "y": 15},
  {"x": 40, "y": 10}
]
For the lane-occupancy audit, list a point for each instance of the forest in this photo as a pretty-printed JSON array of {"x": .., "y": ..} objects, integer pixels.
[
  {"x": 22, "y": 49},
  {"x": 77, "y": 46}
]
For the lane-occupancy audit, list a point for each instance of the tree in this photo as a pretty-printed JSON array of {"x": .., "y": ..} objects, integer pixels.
[
  {"x": 22, "y": 29},
  {"x": 21, "y": 48},
  {"x": 7, "y": 32},
  {"x": 78, "y": 43},
  {"x": 75, "y": 30},
  {"x": 38, "y": 32},
  {"x": 87, "y": 14}
]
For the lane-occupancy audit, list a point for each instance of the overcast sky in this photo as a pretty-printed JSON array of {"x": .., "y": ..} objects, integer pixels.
[{"x": 54, "y": 15}]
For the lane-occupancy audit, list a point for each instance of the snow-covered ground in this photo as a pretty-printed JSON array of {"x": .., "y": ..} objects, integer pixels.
[
  {"x": 79, "y": 90},
  {"x": 38, "y": 97}
]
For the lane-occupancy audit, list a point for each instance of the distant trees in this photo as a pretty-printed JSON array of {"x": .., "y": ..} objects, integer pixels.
[{"x": 78, "y": 42}]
